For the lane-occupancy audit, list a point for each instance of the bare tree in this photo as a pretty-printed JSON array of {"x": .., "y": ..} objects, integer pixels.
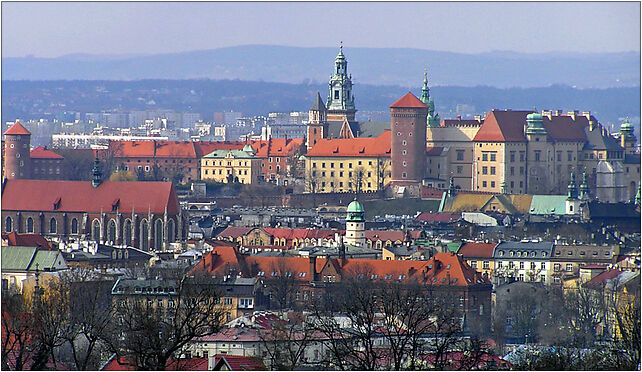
[
  {"x": 17, "y": 336},
  {"x": 356, "y": 180},
  {"x": 148, "y": 334},
  {"x": 285, "y": 342},
  {"x": 312, "y": 184},
  {"x": 76, "y": 165},
  {"x": 282, "y": 286}
]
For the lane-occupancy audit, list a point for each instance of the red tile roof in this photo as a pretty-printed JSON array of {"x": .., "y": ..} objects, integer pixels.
[
  {"x": 242, "y": 363},
  {"x": 434, "y": 151},
  {"x": 508, "y": 126},
  {"x": 277, "y": 147},
  {"x": 431, "y": 193},
  {"x": 234, "y": 232},
  {"x": 170, "y": 149},
  {"x": 26, "y": 240},
  {"x": 378, "y": 146},
  {"x": 42, "y": 153},
  {"x": 80, "y": 196},
  {"x": 235, "y": 362},
  {"x": 299, "y": 267},
  {"x": 17, "y": 129},
  {"x": 473, "y": 249},
  {"x": 600, "y": 280},
  {"x": 408, "y": 101},
  {"x": 385, "y": 235},
  {"x": 290, "y": 234}
]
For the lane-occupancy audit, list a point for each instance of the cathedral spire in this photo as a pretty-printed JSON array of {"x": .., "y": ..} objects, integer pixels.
[
  {"x": 340, "y": 102},
  {"x": 572, "y": 187},
  {"x": 432, "y": 120}
]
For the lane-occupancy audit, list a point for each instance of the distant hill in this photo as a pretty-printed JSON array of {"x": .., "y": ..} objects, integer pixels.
[
  {"x": 41, "y": 99},
  {"x": 376, "y": 66}
]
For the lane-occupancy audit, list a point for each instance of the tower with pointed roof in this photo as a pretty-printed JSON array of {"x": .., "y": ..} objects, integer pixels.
[
  {"x": 340, "y": 102},
  {"x": 17, "y": 161},
  {"x": 408, "y": 145},
  {"x": 432, "y": 120},
  {"x": 572, "y": 201},
  {"x": 584, "y": 188},
  {"x": 317, "y": 122}
]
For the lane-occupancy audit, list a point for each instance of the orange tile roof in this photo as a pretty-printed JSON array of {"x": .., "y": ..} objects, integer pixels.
[
  {"x": 300, "y": 233},
  {"x": 508, "y": 126},
  {"x": 81, "y": 196},
  {"x": 17, "y": 129},
  {"x": 408, "y": 101},
  {"x": 42, "y": 153},
  {"x": 385, "y": 235},
  {"x": 366, "y": 147}
]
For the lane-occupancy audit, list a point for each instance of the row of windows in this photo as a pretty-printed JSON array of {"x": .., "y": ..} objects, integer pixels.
[
  {"x": 332, "y": 174},
  {"x": 340, "y": 184},
  {"x": 225, "y": 162},
  {"x": 53, "y": 225},
  {"x": 522, "y": 265},
  {"x": 229, "y": 171},
  {"x": 331, "y": 164}
]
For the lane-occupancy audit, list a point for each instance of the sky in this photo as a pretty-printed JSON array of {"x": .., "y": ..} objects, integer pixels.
[{"x": 53, "y": 29}]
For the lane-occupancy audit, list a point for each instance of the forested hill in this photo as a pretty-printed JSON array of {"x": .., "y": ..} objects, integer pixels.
[{"x": 377, "y": 66}]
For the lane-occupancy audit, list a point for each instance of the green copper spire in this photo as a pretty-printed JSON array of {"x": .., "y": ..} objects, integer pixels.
[
  {"x": 451, "y": 188},
  {"x": 340, "y": 97},
  {"x": 97, "y": 176},
  {"x": 584, "y": 188},
  {"x": 535, "y": 123},
  {"x": 626, "y": 129},
  {"x": 432, "y": 120},
  {"x": 355, "y": 212},
  {"x": 572, "y": 188}
]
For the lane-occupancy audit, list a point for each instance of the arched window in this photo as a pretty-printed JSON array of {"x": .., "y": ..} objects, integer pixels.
[
  {"x": 52, "y": 226},
  {"x": 30, "y": 225},
  {"x": 171, "y": 231},
  {"x": 158, "y": 235},
  {"x": 127, "y": 232},
  {"x": 74, "y": 226},
  {"x": 8, "y": 224},
  {"x": 95, "y": 230},
  {"x": 144, "y": 238},
  {"x": 111, "y": 231}
]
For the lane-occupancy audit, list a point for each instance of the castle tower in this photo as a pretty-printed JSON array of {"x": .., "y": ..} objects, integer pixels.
[
  {"x": 317, "y": 123},
  {"x": 340, "y": 102},
  {"x": 17, "y": 159},
  {"x": 627, "y": 138},
  {"x": 538, "y": 180},
  {"x": 408, "y": 144},
  {"x": 355, "y": 225},
  {"x": 432, "y": 120}
]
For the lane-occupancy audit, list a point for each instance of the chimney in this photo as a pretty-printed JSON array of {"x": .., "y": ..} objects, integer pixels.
[
  {"x": 572, "y": 114},
  {"x": 458, "y": 117},
  {"x": 313, "y": 268},
  {"x": 591, "y": 125},
  {"x": 478, "y": 118},
  {"x": 211, "y": 362}
]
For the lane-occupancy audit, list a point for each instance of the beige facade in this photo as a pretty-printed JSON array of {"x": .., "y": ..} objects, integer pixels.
[
  {"x": 344, "y": 174},
  {"x": 231, "y": 166}
]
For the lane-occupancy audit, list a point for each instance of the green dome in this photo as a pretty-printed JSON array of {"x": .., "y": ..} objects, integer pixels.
[
  {"x": 355, "y": 207},
  {"x": 626, "y": 126},
  {"x": 534, "y": 116}
]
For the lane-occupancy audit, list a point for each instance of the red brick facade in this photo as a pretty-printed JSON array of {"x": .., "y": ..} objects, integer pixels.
[{"x": 408, "y": 141}]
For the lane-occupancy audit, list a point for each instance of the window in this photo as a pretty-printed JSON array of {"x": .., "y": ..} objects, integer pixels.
[
  {"x": 522, "y": 155},
  {"x": 538, "y": 154},
  {"x": 486, "y": 265},
  {"x": 336, "y": 94},
  {"x": 532, "y": 265},
  {"x": 557, "y": 267},
  {"x": 460, "y": 155},
  {"x": 559, "y": 156},
  {"x": 512, "y": 171},
  {"x": 512, "y": 156},
  {"x": 484, "y": 184},
  {"x": 404, "y": 175},
  {"x": 493, "y": 156},
  {"x": 492, "y": 183},
  {"x": 473, "y": 264},
  {"x": 492, "y": 170},
  {"x": 246, "y": 303},
  {"x": 460, "y": 169},
  {"x": 521, "y": 171},
  {"x": 484, "y": 156},
  {"x": 74, "y": 226},
  {"x": 8, "y": 224},
  {"x": 569, "y": 267},
  {"x": 52, "y": 226},
  {"x": 484, "y": 170},
  {"x": 29, "y": 225},
  {"x": 227, "y": 301}
]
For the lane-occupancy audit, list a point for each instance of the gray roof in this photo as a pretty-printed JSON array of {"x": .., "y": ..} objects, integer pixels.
[
  {"x": 318, "y": 104},
  {"x": 595, "y": 140},
  {"x": 523, "y": 250},
  {"x": 632, "y": 159},
  {"x": 334, "y": 129},
  {"x": 372, "y": 128}
]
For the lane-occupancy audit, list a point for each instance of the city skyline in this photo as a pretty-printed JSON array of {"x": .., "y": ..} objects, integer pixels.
[{"x": 56, "y": 29}]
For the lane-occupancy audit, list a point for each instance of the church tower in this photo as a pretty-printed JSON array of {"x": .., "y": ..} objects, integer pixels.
[
  {"x": 572, "y": 201},
  {"x": 317, "y": 122},
  {"x": 17, "y": 161},
  {"x": 340, "y": 101},
  {"x": 537, "y": 179},
  {"x": 355, "y": 225},
  {"x": 432, "y": 120}
]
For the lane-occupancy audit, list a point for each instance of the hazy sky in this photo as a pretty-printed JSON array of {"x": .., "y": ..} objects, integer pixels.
[{"x": 54, "y": 29}]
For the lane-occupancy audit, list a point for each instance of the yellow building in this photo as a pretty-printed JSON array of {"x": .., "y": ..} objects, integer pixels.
[
  {"x": 348, "y": 165},
  {"x": 229, "y": 166}
]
